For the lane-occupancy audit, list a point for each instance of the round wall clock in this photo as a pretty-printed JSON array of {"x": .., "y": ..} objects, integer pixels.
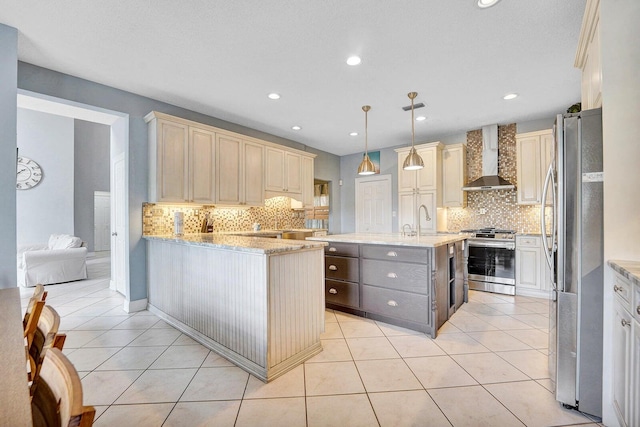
[{"x": 29, "y": 174}]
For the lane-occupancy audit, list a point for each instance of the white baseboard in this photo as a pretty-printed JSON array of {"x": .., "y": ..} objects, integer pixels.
[{"x": 137, "y": 305}]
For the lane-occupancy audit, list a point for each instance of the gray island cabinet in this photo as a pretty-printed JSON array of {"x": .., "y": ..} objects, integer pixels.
[
  {"x": 413, "y": 282},
  {"x": 257, "y": 302}
]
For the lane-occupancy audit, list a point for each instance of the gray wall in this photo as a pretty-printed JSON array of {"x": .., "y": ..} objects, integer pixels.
[
  {"x": 91, "y": 173},
  {"x": 8, "y": 144},
  {"x": 41, "y": 80}
]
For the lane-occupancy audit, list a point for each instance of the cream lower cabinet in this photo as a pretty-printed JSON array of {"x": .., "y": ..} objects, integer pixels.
[
  {"x": 283, "y": 173},
  {"x": 532, "y": 275},
  {"x": 239, "y": 172},
  {"x": 181, "y": 162},
  {"x": 533, "y": 156},
  {"x": 454, "y": 174}
]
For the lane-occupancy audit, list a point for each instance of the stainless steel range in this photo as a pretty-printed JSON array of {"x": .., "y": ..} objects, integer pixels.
[{"x": 491, "y": 264}]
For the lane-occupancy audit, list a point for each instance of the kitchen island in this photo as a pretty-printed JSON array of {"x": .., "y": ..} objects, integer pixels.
[
  {"x": 258, "y": 302},
  {"x": 409, "y": 281}
]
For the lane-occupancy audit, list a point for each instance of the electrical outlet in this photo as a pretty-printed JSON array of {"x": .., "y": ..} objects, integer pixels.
[{"x": 483, "y": 211}]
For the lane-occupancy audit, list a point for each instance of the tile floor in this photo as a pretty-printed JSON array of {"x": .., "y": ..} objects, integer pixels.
[{"x": 488, "y": 367}]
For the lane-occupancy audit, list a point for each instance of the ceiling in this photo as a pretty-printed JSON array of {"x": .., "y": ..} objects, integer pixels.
[{"x": 222, "y": 58}]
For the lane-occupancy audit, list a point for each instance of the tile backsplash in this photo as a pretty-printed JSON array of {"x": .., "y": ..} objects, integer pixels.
[{"x": 157, "y": 219}]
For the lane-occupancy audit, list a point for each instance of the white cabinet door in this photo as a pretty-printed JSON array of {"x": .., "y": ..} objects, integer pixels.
[
  {"x": 454, "y": 172},
  {"x": 528, "y": 170},
  {"x": 546, "y": 154},
  {"x": 406, "y": 210},
  {"x": 172, "y": 162},
  {"x": 635, "y": 372},
  {"x": 293, "y": 173},
  {"x": 528, "y": 268},
  {"x": 274, "y": 170},
  {"x": 253, "y": 174},
  {"x": 428, "y": 199},
  {"x": 621, "y": 362},
  {"x": 307, "y": 181},
  {"x": 429, "y": 176},
  {"x": 229, "y": 170},
  {"x": 202, "y": 180}
]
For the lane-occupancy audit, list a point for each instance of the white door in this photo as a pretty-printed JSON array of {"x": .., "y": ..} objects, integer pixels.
[
  {"x": 373, "y": 204},
  {"x": 101, "y": 221},
  {"x": 118, "y": 235}
]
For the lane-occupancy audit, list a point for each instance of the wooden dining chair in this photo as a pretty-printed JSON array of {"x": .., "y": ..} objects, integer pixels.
[
  {"x": 45, "y": 337},
  {"x": 57, "y": 399},
  {"x": 39, "y": 294}
]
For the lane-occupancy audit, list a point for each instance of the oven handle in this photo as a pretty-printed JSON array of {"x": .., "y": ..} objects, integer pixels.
[{"x": 500, "y": 245}]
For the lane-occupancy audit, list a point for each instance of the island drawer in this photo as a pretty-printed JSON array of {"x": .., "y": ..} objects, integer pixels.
[
  {"x": 342, "y": 293},
  {"x": 401, "y": 305},
  {"x": 396, "y": 253},
  {"x": 396, "y": 275},
  {"x": 342, "y": 249},
  {"x": 341, "y": 268}
]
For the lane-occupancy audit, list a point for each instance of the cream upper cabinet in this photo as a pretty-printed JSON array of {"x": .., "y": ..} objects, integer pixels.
[
  {"x": 239, "y": 171},
  {"x": 181, "y": 162},
  {"x": 283, "y": 173},
  {"x": 533, "y": 156},
  {"x": 454, "y": 174},
  {"x": 428, "y": 178},
  {"x": 588, "y": 57},
  {"x": 307, "y": 181}
]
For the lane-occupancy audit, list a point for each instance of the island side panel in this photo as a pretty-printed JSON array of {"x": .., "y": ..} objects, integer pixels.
[{"x": 296, "y": 308}]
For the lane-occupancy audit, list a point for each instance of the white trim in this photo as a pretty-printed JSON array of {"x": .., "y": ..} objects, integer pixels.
[{"x": 137, "y": 305}]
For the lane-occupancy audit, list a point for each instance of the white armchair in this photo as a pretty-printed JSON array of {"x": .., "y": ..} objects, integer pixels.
[{"x": 63, "y": 259}]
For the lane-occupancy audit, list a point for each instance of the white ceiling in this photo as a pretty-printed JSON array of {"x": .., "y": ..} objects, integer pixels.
[{"x": 223, "y": 57}]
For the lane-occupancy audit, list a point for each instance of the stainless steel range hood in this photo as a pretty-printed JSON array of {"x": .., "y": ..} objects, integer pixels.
[{"x": 489, "y": 179}]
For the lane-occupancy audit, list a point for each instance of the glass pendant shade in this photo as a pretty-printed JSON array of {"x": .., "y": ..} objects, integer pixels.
[
  {"x": 366, "y": 166},
  {"x": 413, "y": 161}
]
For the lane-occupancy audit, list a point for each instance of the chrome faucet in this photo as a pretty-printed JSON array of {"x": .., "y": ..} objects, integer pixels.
[
  {"x": 411, "y": 232},
  {"x": 426, "y": 216}
]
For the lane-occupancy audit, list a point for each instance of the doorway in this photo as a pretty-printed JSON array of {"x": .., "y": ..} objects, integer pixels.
[
  {"x": 373, "y": 204},
  {"x": 101, "y": 221}
]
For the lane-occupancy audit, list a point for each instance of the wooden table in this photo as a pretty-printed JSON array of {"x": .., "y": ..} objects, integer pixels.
[{"x": 15, "y": 406}]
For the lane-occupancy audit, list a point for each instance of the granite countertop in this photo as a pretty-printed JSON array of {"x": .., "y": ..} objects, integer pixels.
[
  {"x": 628, "y": 269},
  {"x": 395, "y": 239},
  {"x": 258, "y": 245}
]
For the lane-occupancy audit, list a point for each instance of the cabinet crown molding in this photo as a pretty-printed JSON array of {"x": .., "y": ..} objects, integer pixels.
[
  {"x": 437, "y": 144},
  {"x": 589, "y": 24}
]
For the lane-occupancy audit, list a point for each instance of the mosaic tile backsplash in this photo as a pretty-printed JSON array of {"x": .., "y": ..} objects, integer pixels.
[
  {"x": 157, "y": 219},
  {"x": 502, "y": 209}
]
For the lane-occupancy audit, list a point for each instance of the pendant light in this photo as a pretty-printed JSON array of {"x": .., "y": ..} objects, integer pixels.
[
  {"x": 366, "y": 166},
  {"x": 413, "y": 161}
]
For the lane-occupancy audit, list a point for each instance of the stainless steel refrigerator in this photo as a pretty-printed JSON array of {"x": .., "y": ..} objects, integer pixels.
[{"x": 575, "y": 257}]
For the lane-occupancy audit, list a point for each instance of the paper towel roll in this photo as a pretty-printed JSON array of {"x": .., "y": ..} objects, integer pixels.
[{"x": 178, "y": 223}]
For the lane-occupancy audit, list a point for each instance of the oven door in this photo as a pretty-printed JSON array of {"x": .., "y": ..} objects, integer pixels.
[{"x": 492, "y": 262}]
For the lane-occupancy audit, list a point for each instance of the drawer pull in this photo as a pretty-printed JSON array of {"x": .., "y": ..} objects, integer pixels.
[
  {"x": 333, "y": 268},
  {"x": 392, "y": 303},
  {"x": 392, "y": 253},
  {"x": 333, "y": 291},
  {"x": 392, "y": 275},
  {"x": 625, "y": 322},
  {"x": 332, "y": 249},
  {"x": 617, "y": 288}
]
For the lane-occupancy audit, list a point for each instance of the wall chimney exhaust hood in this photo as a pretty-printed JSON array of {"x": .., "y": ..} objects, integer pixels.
[{"x": 489, "y": 179}]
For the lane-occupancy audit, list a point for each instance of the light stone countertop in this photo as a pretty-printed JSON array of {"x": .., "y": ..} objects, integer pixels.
[
  {"x": 395, "y": 239},
  {"x": 259, "y": 245},
  {"x": 628, "y": 269}
]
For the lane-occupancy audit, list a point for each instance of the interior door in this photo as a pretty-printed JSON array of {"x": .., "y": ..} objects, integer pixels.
[
  {"x": 373, "y": 204},
  {"x": 118, "y": 235},
  {"x": 101, "y": 221}
]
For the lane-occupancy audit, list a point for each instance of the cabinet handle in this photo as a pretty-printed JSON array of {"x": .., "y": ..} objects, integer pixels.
[
  {"x": 392, "y": 303},
  {"x": 625, "y": 322},
  {"x": 333, "y": 291},
  {"x": 332, "y": 249},
  {"x": 333, "y": 268},
  {"x": 392, "y": 275},
  {"x": 617, "y": 288},
  {"x": 392, "y": 253}
]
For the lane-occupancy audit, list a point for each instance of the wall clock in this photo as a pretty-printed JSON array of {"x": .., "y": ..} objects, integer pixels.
[{"x": 29, "y": 174}]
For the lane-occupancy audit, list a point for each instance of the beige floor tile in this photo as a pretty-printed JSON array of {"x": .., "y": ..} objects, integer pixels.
[
  {"x": 99, "y": 411},
  {"x": 88, "y": 359},
  {"x": 222, "y": 383},
  {"x": 487, "y": 297},
  {"x": 510, "y": 308},
  {"x": 138, "y": 322},
  {"x": 439, "y": 371},
  {"x": 272, "y": 412},
  {"x": 477, "y": 308},
  {"x": 342, "y": 317},
  {"x": 504, "y": 322},
  {"x": 353, "y": 410},
  {"x": 118, "y": 311},
  {"x": 329, "y": 316},
  {"x": 393, "y": 330},
  {"x": 459, "y": 344},
  {"x": 182, "y": 339},
  {"x": 71, "y": 322},
  {"x": 487, "y": 368},
  {"x": 415, "y": 346},
  {"x": 101, "y": 323},
  {"x": 332, "y": 378},
  {"x": 114, "y": 338},
  {"x": 407, "y": 409},
  {"x": 181, "y": 356},
  {"x": 161, "y": 324},
  {"x": 156, "y": 337},
  {"x": 371, "y": 348},
  {"x": 536, "y": 307},
  {"x": 448, "y": 328},
  {"x": 157, "y": 386},
  {"x": 135, "y": 415},
  {"x": 535, "y": 338},
  {"x": 546, "y": 383},
  {"x": 132, "y": 358},
  {"x": 104, "y": 387},
  {"x": 532, "y": 362},
  {"x": 190, "y": 414},
  {"x": 536, "y": 320},
  {"x": 77, "y": 339},
  {"x": 387, "y": 375},
  {"x": 290, "y": 384},
  {"x": 332, "y": 351},
  {"x": 214, "y": 360},
  {"x": 498, "y": 341},
  {"x": 353, "y": 329},
  {"x": 471, "y": 324},
  {"x": 331, "y": 330},
  {"x": 538, "y": 408},
  {"x": 473, "y": 407}
]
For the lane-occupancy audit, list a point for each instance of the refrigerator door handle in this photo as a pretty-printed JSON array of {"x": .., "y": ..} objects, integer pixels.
[{"x": 543, "y": 226}]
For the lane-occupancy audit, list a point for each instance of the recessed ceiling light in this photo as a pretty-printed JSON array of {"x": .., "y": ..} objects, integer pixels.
[
  {"x": 420, "y": 118},
  {"x": 296, "y": 127},
  {"x": 353, "y": 60},
  {"x": 510, "y": 96},
  {"x": 353, "y": 134},
  {"x": 273, "y": 96},
  {"x": 483, "y": 4}
]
